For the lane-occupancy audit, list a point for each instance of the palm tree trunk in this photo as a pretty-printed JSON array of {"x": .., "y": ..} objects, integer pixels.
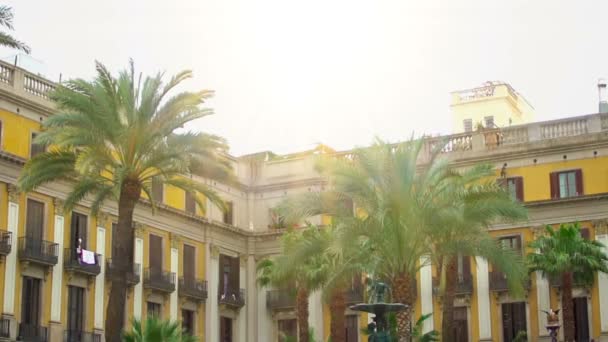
[
  {"x": 302, "y": 314},
  {"x": 402, "y": 293},
  {"x": 567, "y": 307},
  {"x": 337, "y": 306},
  {"x": 451, "y": 282},
  {"x": 122, "y": 257}
]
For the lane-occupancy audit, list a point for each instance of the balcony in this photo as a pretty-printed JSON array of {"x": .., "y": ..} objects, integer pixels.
[
  {"x": 72, "y": 262},
  {"x": 80, "y": 336},
  {"x": 32, "y": 333},
  {"x": 280, "y": 300},
  {"x": 5, "y": 328},
  {"x": 557, "y": 282},
  {"x": 158, "y": 280},
  {"x": 499, "y": 283},
  {"x": 5, "y": 243},
  {"x": 464, "y": 285},
  {"x": 193, "y": 288},
  {"x": 354, "y": 295},
  {"x": 132, "y": 277},
  {"x": 232, "y": 298},
  {"x": 38, "y": 251}
]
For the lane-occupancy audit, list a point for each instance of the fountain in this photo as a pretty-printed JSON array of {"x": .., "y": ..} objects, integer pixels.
[{"x": 379, "y": 331}]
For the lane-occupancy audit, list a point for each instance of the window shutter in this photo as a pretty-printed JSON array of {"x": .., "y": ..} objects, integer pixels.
[
  {"x": 466, "y": 267},
  {"x": 156, "y": 261},
  {"x": 223, "y": 265},
  {"x": 554, "y": 181},
  {"x": 190, "y": 202},
  {"x": 579, "y": 182},
  {"x": 519, "y": 188},
  {"x": 189, "y": 262},
  {"x": 519, "y": 247}
]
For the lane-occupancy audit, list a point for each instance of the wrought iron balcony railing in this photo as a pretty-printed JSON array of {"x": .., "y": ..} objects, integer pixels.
[
  {"x": 80, "y": 336},
  {"x": 464, "y": 285},
  {"x": 73, "y": 262},
  {"x": 232, "y": 298},
  {"x": 498, "y": 282},
  {"x": 159, "y": 280},
  {"x": 132, "y": 277},
  {"x": 5, "y": 242},
  {"x": 38, "y": 251},
  {"x": 354, "y": 295},
  {"x": 193, "y": 288},
  {"x": 280, "y": 299},
  {"x": 32, "y": 333}
]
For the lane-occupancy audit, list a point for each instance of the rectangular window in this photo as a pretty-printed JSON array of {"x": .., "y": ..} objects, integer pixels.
[
  {"x": 511, "y": 242},
  {"x": 30, "y": 302},
  {"x": 513, "y": 320},
  {"x": 35, "y": 220},
  {"x": 157, "y": 190},
  {"x": 464, "y": 268},
  {"x": 153, "y": 309},
  {"x": 489, "y": 121},
  {"x": 188, "y": 321},
  {"x": 461, "y": 324},
  {"x": 189, "y": 262},
  {"x": 78, "y": 230},
  {"x": 229, "y": 213},
  {"x": 288, "y": 329},
  {"x": 156, "y": 253},
  {"x": 225, "y": 329},
  {"x": 190, "y": 203},
  {"x": 76, "y": 311},
  {"x": 352, "y": 328},
  {"x": 468, "y": 125},
  {"x": 229, "y": 276},
  {"x": 514, "y": 186},
  {"x": 566, "y": 184},
  {"x": 35, "y": 149}
]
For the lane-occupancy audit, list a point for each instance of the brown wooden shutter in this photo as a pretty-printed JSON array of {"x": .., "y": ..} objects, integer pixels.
[
  {"x": 579, "y": 182},
  {"x": 554, "y": 181},
  {"x": 223, "y": 265},
  {"x": 78, "y": 229},
  {"x": 519, "y": 188},
  {"x": 519, "y": 247},
  {"x": 189, "y": 263},
  {"x": 466, "y": 268},
  {"x": 228, "y": 214},
  {"x": 157, "y": 190},
  {"x": 235, "y": 274},
  {"x": 156, "y": 253},
  {"x": 190, "y": 203},
  {"x": 35, "y": 219},
  {"x": 585, "y": 233}
]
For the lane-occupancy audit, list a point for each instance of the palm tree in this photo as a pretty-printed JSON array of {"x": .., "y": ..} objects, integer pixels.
[
  {"x": 156, "y": 330},
  {"x": 469, "y": 205},
  {"x": 112, "y": 137},
  {"x": 564, "y": 253},
  {"x": 6, "y": 20},
  {"x": 396, "y": 201},
  {"x": 307, "y": 275}
]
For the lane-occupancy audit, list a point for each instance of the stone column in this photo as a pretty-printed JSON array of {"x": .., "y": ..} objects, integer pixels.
[
  {"x": 173, "y": 298},
  {"x": 138, "y": 258},
  {"x": 601, "y": 235},
  {"x": 483, "y": 300},
  {"x": 212, "y": 323},
  {"x": 251, "y": 297},
  {"x": 100, "y": 279},
  {"x": 426, "y": 292},
  {"x": 241, "y": 320},
  {"x": 10, "y": 270},
  {"x": 264, "y": 318},
  {"x": 542, "y": 294},
  {"x": 315, "y": 317}
]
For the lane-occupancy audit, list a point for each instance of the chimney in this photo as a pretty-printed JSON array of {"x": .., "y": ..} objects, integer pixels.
[{"x": 603, "y": 95}]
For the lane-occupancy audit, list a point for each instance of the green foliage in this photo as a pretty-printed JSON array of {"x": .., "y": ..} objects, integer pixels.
[
  {"x": 417, "y": 334},
  {"x": 156, "y": 330},
  {"x": 6, "y": 20},
  {"x": 565, "y": 250},
  {"x": 521, "y": 336}
]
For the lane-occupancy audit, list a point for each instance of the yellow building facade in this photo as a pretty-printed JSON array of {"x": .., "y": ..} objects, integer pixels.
[{"x": 199, "y": 267}]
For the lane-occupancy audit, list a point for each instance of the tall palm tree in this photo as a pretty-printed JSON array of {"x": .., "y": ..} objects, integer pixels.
[
  {"x": 307, "y": 274},
  {"x": 564, "y": 253},
  {"x": 111, "y": 138},
  {"x": 156, "y": 330},
  {"x": 470, "y": 203},
  {"x": 6, "y": 20},
  {"x": 396, "y": 200}
]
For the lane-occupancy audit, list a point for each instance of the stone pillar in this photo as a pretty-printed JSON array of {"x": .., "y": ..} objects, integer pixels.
[
  {"x": 100, "y": 279},
  {"x": 212, "y": 323},
  {"x": 483, "y": 300},
  {"x": 264, "y": 318},
  {"x": 173, "y": 298},
  {"x": 426, "y": 292},
  {"x": 241, "y": 320},
  {"x": 542, "y": 295},
  {"x": 10, "y": 270},
  {"x": 601, "y": 235},
  {"x": 251, "y": 297},
  {"x": 315, "y": 316},
  {"x": 138, "y": 258}
]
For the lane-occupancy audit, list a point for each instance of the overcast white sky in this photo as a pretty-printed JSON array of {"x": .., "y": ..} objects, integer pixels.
[{"x": 289, "y": 74}]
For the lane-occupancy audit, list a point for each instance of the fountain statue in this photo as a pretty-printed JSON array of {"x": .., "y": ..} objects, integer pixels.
[{"x": 379, "y": 331}]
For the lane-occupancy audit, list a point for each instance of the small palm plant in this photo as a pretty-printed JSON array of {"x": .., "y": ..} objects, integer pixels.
[
  {"x": 156, "y": 330},
  {"x": 564, "y": 253}
]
